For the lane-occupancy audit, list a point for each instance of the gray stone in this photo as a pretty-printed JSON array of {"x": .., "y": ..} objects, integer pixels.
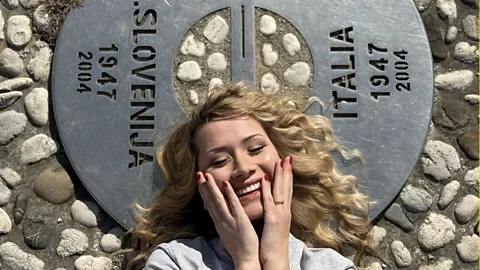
[
  {"x": 472, "y": 99},
  {"x": 88, "y": 262},
  {"x": 270, "y": 56},
  {"x": 455, "y": 80},
  {"x": 466, "y": 209},
  {"x": 421, "y": 4},
  {"x": 193, "y": 97},
  {"x": 2, "y": 25},
  {"x": 415, "y": 200},
  {"x": 268, "y": 26},
  {"x": 471, "y": 178},
  {"x": 442, "y": 264},
  {"x": 37, "y": 148},
  {"x": 441, "y": 160},
  {"x": 291, "y": 44},
  {"x": 465, "y": 53},
  {"x": 297, "y": 74},
  {"x": 215, "y": 82},
  {"x": 112, "y": 241},
  {"x": 453, "y": 114},
  {"x": 21, "y": 204},
  {"x": 37, "y": 235},
  {"x": 72, "y": 241},
  {"x": 436, "y": 232},
  {"x": 36, "y": 106},
  {"x": 9, "y": 98},
  {"x": 39, "y": 66},
  {"x": 15, "y": 84},
  {"x": 11, "y": 177},
  {"x": 376, "y": 236},
  {"x": 11, "y": 65},
  {"x": 472, "y": 3},
  {"x": 401, "y": 255},
  {"x": 396, "y": 216},
  {"x": 31, "y": 3},
  {"x": 435, "y": 37},
  {"x": 451, "y": 35},
  {"x": 189, "y": 71},
  {"x": 216, "y": 30},
  {"x": 447, "y": 194},
  {"x": 468, "y": 142},
  {"x": 12, "y": 257},
  {"x": 10, "y": 4},
  {"x": 85, "y": 213},
  {"x": 447, "y": 9},
  {"x": 467, "y": 249},
  {"x": 5, "y": 222},
  {"x": 12, "y": 124},
  {"x": 41, "y": 19},
  {"x": 269, "y": 85},
  {"x": 374, "y": 266},
  {"x": 191, "y": 46},
  {"x": 19, "y": 30},
  {"x": 470, "y": 27},
  {"x": 217, "y": 62},
  {"x": 54, "y": 185},
  {"x": 5, "y": 194}
]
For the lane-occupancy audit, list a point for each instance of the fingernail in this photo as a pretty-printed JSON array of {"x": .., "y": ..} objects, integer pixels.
[
  {"x": 265, "y": 177},
  {"x": 197, "y": 175},
  {"x": 291, "y": 160},
  {"x": 224, "y": 184},
  {"x": 205, "y": 175},
  {"x": 281, "y": 163}
]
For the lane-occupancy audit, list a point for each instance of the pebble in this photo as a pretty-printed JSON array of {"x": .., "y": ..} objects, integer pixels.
[
  {"x": 468, "y": 142},
  {"x": 451, "y": 35},
  {"x": 9, "y": 98},
  {"x": 39, "y": 66},
  {"x": 88, "y": 262},
  {"x": 431, "y": 22},
  {"x": 269, "y": 85},
  {"x": 268, "y": 26},
  {"x": 415, "y": 200},
  {"x": 72, "y": 241},
  {"x": 447, "y": 194},
  {"x": 13, "y": 257},
  {"x": 11, "y": 177},
  {"x": 471, "y": 178},
  {"x": 396, "y": 216},
  {"x": 467, "y": 208},
  {"x": 467, "y": 249},
  {"x": 455, "y": 80},
  {"x": 10, "y": 4},
  {"x": 189, "y": 71},
  {"x": 297, "y": 74},
  {"x": 21, "y": 204},
  {"x": 2, "y": 25},
  {"x": 436, "y": 232},
  {"x": 217, "y": 62},
  {"x": 37, "y": 148},
  {"x": 30, "y": 3},
  {"x": 465, "y": 53},
  {"x": 85, "y": 213},
  {"x": 54, "y": 185},
  {"x": 376, "y": 236},
  {"x": 215, "y": 82},
  {"x": 36, "y": 106},
  {"x": 447, "y": 9},
  {"x": 401, "y": 255},
  {"x": 216, "y": 30},
  {"x": 19, "y": 30},
  {"x": 15, "y": 84},
  {"x": 472, "y": 99},
  {"x": 421, "y": 4},
  {"x": 5, "y": 222},
  {"x": 453, "y": 115},
  {"x": 375, "y": 266},
  {"x": 5, "y": 194},
  {"x": 472, "y": 3},
  {"x": 191, "y": 46},
  {"x": 37, "y": 235},
  {"x": 12, "y": 124},
  {"x": 470, "y": 27},
  {"x": 442, "y": 264},
  {"x": 193, "y": 97},
  {"x": 11, "y": 65},
  {"x": 41, "y": 19},
  {"x": 270, "y": 56},
  {"x": 112, "y": 241},
  {"x": 291, "y": 44},
  {"x": 441, "y": 160}
]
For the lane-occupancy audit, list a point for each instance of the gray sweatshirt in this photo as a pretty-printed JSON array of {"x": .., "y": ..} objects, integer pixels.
[{"x": 200, "y": 253}]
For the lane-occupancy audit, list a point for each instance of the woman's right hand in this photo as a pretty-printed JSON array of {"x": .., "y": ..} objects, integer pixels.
[{"x": 231, "y": 222}]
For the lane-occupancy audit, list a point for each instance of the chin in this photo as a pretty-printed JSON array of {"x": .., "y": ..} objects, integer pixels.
[{"x": 254, "y": 211}]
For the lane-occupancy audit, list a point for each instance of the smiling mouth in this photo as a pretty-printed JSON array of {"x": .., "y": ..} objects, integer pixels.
[{"x": 247, "y": 190}]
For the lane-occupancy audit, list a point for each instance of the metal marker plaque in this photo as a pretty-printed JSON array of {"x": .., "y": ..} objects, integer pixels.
[{"x": 115, "y": 99}]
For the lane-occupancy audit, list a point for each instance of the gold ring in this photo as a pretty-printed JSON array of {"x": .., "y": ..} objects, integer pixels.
[{"x": 281, "y": 202}]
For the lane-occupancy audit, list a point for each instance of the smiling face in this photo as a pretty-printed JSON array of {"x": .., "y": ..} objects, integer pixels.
[{"x": 239, "y": 151}]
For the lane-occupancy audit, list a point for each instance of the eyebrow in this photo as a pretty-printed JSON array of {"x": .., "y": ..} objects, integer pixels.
[{"x": 223, "y": 148}]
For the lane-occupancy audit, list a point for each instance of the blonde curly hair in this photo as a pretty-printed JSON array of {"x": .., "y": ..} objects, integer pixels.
[{"x": 327, "y": 209}]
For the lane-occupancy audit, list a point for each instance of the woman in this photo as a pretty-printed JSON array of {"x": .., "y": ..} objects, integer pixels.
[{"x": 250, "y": 184}]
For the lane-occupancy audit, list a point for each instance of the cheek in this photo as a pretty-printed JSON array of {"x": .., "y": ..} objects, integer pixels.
[{"x": 220, "y": 175}]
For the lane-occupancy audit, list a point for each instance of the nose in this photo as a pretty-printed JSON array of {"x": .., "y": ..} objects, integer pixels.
[{"x": 244, "y": 166}]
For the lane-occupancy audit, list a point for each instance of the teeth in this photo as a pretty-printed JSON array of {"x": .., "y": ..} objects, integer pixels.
[{"x": 248, "y": 189}]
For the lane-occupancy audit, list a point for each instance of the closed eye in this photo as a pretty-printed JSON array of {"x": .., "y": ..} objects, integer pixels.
[{"x": 257, "y": 150}]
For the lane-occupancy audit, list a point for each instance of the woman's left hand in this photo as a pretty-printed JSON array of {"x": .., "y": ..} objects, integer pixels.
[{"x": 277, "y": 216}]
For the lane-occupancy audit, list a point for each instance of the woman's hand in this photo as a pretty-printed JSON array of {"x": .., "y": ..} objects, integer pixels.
[
  {"x": 277, "y": 217},
  {"x": 231, "y": 222}
]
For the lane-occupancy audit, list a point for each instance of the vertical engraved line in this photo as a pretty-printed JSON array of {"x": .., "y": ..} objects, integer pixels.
[{"x": 243, "y": 31}]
